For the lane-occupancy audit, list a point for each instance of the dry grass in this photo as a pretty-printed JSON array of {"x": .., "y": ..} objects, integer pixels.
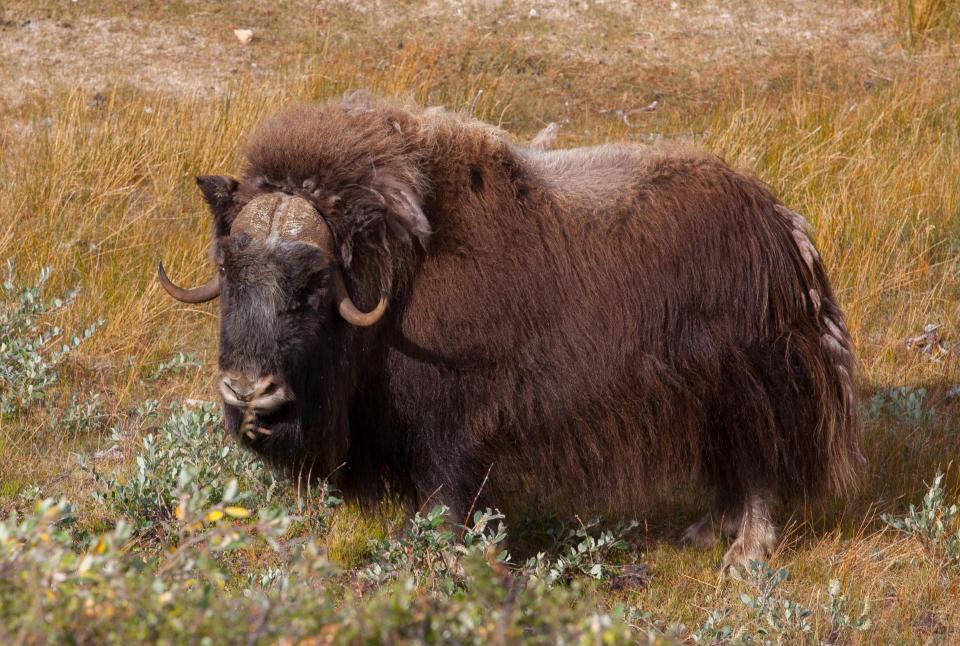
[
  {"x": 863, "y": 144},
  {"x": 918, "y": 20}
]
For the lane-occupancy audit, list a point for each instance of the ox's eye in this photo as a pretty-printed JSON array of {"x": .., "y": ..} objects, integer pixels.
[
  {"x": 221, "y": 270},
  {"x": 300, "y": 305}
]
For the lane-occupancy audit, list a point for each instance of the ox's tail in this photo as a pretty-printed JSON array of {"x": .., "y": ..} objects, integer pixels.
[{"x": 830, "y": 458}]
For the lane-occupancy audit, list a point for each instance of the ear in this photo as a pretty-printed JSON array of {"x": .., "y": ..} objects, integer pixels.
[
  {"x": 218, "y": 191},
  {"x": 404, "y": 209}
]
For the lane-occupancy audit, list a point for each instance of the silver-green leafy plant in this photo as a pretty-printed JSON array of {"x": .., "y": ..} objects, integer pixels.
[
  {"x": 581, "y": 550},
  {"x": 935, "y": 524},
  {"x": 715, "y": 629},
  {"x": 187, "y": 455},
  {"x": 203, "y": 588},
  {"x": 842, "y": 620},
  {"x": 79, "y": 415},
  {"x": 31, "y": 349},
  {"x": 904, "y": 404},
  {"x": 774, "y": 617},
  {"x": 176, "y": 364},
  {"x": 429, "y": 552}
]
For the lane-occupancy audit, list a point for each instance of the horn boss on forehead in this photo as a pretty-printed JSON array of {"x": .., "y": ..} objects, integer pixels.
[
  {"x": 283, "y": 217},
  {"x": 279, "y": 216}
]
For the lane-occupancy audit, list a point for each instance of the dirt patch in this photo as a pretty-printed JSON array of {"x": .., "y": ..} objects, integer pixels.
[
  {"x": 192, "y": 50},
  {"x": 94, "y": 53},
  {"x": 709, "y": 33}
]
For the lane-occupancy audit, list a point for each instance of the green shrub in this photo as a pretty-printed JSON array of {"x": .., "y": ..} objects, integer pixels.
[
  {"x": 839, "y": 613},
  {"x": 187, "y": 455},
  {"x": 936, "y": 525},
  {"x": 772, "y": 614},
  {"x": 28, "y": 356},
  {"x": 428, "y": 553},
  {"x": 175, "y": 365},
  {"x": 767, "y": 615},
  {"x": 108, "y": 590},
  {"x": 79, "y": 415},
  {"x": 577, "y": 551},
  {"x": 903, "y": 404}
]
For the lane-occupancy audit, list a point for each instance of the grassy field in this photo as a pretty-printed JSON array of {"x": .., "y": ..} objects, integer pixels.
[{"x": 851, "y": 114}]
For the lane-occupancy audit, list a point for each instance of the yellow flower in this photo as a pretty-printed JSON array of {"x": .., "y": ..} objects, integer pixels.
[
  {"x": 237, "y": 512},
  {"x": 214, "y": 515}
]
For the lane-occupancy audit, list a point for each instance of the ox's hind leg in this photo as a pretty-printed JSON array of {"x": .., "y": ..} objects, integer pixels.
[
  {"x": 724, "y": 517},
  {"x": 743, "y": 458},
  {"x": 756, "y": 534},
  {"x": 701, "y": 534}
]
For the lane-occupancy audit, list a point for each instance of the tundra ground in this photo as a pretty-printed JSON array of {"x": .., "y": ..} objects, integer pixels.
[{"x": 849, "y": 111}]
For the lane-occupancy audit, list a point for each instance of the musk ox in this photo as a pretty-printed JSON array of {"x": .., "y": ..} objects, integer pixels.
[{"x": 418, "y": 308}]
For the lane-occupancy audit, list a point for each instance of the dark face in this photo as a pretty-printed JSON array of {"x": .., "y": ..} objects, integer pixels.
[
  {"x": 276, "y": 320},
  {"x": 286, "y": 321}
]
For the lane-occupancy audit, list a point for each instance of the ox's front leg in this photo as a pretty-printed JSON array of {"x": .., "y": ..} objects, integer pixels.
[{"x": 461, "y": 484}]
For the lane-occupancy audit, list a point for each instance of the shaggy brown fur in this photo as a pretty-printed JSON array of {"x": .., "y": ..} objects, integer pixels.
[{"x": 593, "y": 326}]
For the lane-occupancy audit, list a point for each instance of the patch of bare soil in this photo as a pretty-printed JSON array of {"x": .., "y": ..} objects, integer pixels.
[
  {"x": 94, "y": 53},
  {"x": 710, "y": 33},
  {"x": 193, "y": 50}
]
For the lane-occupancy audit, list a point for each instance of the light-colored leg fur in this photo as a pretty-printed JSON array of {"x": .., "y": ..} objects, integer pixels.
[
  {"x": 730, "y": 524},
  {"x": 756, "y": 534}
]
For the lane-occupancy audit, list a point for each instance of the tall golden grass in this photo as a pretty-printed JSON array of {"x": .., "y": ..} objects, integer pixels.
[
  {"x": 100, "y": 193},
  {"x": 917, "y": 20}
]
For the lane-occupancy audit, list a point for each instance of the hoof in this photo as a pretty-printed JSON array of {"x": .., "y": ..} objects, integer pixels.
[{"x": 740, "y": 555}]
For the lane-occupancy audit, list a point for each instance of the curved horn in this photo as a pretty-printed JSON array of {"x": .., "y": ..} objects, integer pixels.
[
  {"x": 348, "y": 310},
  {"x": 200, "y": 294}
]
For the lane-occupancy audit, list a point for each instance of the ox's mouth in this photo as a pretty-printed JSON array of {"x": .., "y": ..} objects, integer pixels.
[{"x": 255, "y": 427}]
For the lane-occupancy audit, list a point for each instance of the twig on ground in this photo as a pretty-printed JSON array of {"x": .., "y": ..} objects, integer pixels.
[{"x": 463, "y": 532}]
